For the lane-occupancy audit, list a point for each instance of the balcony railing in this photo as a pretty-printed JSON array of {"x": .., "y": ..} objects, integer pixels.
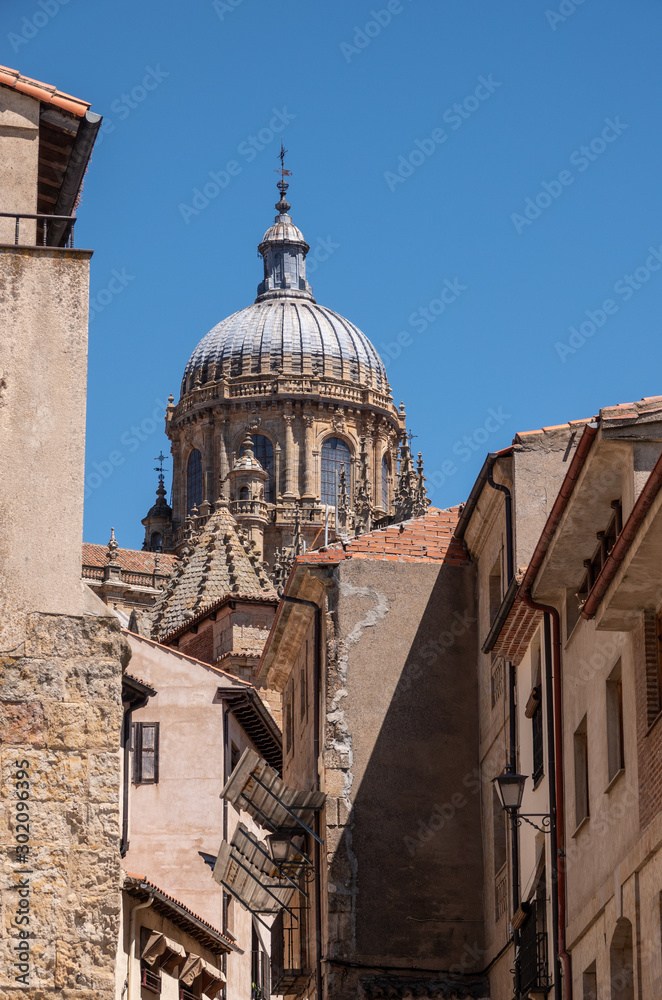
[
  {"x": 254, "y": 508},
  {"x": 50, "y": 231},
  {"x": 150, "y": 980},
  {"x": 534, "y": 970}
]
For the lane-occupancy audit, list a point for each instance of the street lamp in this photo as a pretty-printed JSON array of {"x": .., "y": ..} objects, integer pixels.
[
  {"x": 283, "y": 841},
  {"x": 510, "y": 789}
]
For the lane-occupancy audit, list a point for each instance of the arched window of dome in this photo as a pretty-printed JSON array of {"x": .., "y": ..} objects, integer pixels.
[
  {"x": 264, "y": 453},
  {"x": 335, "y": 453},
  {"x": 244, "y": 493},
  {"x": 385, "y": 474},
  {"x": 156, "y": 541},
  {"x": 194, "y": 480}
]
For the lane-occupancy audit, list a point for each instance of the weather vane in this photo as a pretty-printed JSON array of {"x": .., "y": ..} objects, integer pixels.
[
  {"x": 160, "y": 458},
  {"x": 281, "y": 170}
]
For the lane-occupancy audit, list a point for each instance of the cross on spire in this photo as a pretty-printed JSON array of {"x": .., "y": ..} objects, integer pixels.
[
  {"x": 283, "y": 206},
  {"x": 160, "y": 458}
]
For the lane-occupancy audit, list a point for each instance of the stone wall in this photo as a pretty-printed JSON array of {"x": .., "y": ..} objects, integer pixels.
[{"x": 60, "y": 717}]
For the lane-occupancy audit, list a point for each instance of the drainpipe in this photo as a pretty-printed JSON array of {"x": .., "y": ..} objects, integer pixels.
[
  {"x": 512, "y": 722},
  {"x": 553, "y": 835},
  {"x": 132, "y": 935},
  {"x": 557, "y": 813},
  {"x": 316, "y": 750}
]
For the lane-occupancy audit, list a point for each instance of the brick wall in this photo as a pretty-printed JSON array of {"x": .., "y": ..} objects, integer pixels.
[{"x": 649, "y": 720}]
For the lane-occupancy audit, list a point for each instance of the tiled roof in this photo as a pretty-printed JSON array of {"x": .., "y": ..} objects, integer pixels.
[
  {"x": 422, "y": 539},
  {"x": 130, "y": 560},
  {"x": 44, "y": 92},
  {"x": 221, "y": 563},
  {"x": 134, "y": 884}
]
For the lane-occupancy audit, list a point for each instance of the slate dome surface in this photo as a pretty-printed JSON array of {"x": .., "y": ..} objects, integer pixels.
[
  {"x": 286, "y": 330},
  {"x": 294, "y": 334}
]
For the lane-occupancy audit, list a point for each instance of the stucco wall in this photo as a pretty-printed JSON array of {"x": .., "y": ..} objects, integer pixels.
[
  {"x": 43, "y": 375},
  {"x": 19, "y": 161},
  {"x": 405, "y": 879}
]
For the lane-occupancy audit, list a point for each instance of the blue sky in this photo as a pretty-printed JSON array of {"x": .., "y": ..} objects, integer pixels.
[{"x": 480, "y": 178}]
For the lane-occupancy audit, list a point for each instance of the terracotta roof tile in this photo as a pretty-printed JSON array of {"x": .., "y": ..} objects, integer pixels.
[
  {"x": 130, "y": 560},
  {"x": 44, "y": 92},
  {"x": 424, "y": 539}
]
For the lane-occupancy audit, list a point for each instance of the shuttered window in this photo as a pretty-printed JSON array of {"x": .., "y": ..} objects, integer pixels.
[{"x": 145, "y": 753}]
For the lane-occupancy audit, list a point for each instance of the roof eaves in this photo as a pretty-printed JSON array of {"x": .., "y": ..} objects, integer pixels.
[
  {"x": 139, "y": 885},
  {"x": 190, "y": 659},
  {"x": 622, "y": 544},
  {"x": 44, "y": 92}
]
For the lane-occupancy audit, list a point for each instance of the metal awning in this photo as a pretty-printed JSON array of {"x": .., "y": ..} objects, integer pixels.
[
  {"x": 255, "y": 787},
  {"x": 245, "y": 868}
]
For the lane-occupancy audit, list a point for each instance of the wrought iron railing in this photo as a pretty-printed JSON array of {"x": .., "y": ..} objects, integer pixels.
[
  {"x": 51, "y": 230},
  {"x": 534, "y": 970},
  {"x": 150, "y": 980}
]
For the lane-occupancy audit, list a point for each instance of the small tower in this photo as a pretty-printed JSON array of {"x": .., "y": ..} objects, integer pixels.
[
  {"x": 158, "y": 523},
  {"x": 247, "y": 503}
]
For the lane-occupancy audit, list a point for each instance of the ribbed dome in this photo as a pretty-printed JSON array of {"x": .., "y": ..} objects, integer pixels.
[
  {"x": 285, "y": 329},
  {"x": 296, "y": 335}
]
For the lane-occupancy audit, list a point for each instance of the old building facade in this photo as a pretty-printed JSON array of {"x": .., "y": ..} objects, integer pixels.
[{"x": 61, "y": 649}]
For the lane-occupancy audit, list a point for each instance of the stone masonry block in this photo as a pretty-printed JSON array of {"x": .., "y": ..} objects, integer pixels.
[
  {"x": 75, "y": 726},
  {"x": 22, "y": 723}
]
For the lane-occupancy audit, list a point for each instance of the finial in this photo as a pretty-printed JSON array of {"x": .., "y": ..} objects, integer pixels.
[
  {"x": 247, "y": 446},
  {"x": 171, "y": 399},
  {"x": 111, "y": 549},
  {"x": 283, "y": 205}
]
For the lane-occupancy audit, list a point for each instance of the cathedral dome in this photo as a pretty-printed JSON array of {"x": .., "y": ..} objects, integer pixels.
[
  {"x": 293, "y": 335},
  {"x": 286, "y": 331}
]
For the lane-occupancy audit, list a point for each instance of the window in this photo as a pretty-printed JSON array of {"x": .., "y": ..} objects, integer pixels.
[
  {"x": 621, "y": 961},
  {"x": 193, "y": 481},
  {"x": 615, "y": 750},
  {"x": 335, "y": 453},
  {"x": 499, "y": 832},
  {"x": 235, "y": 755},
  {"x": 244, "y": 493},
  {"x": 534, "y": 712},
  {"x": 264, "y": 453},
  {"x": 156, "y": 541},
  {"x": 385, "y": 475},
  {"x": 590, "y": 983},
  {"x": 533, "y": 943},
  {"x": 581, "y": 772},
  {"x": 145, "y": 740},
  {"x": 495, "y": 589},
  {"x": 150, "y": 979},
  {"x": 288, "y": 722},
  {"x": 303, "y": 684}
]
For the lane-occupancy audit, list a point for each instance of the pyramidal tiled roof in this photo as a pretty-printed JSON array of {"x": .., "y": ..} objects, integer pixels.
[{"x": 220, "y": 562}]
